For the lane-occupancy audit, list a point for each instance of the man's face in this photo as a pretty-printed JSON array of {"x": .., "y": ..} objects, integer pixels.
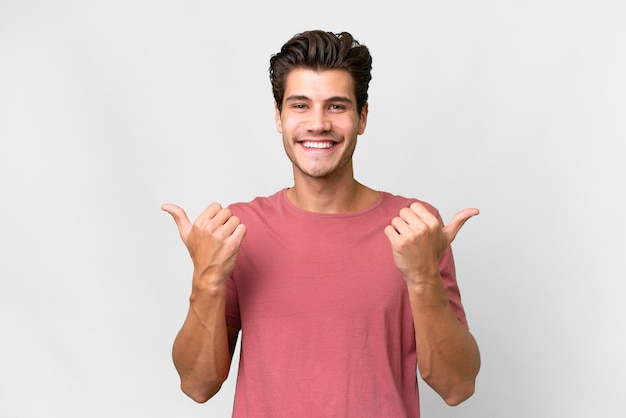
[{"x": 320, "y": 123}]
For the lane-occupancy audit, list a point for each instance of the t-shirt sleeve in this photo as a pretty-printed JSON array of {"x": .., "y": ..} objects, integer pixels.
[{"x": 233, "y": 318}]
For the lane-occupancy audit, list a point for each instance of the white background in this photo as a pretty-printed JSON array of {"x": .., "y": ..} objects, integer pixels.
[{"x": 108, "y": 109}]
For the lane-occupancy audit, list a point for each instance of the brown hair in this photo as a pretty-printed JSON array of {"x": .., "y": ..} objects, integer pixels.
[{"x": 319, "y": 50}]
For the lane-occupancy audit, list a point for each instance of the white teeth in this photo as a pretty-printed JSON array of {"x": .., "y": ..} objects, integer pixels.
[{"x": 317, "y": 145}]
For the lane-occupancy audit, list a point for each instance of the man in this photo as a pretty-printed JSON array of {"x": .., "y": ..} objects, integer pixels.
[{"x": 341, "y": 292}]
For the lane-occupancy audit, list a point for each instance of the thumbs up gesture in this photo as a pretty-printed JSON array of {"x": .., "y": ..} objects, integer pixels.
[
  {"x": 418, "y": 240},
  {"x": 213, "y": 241}
]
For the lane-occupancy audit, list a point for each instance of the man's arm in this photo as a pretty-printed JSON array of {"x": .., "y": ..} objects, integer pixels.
[
  {"x": 448, "y": 356},
  {"x": 203, "y": 348}
]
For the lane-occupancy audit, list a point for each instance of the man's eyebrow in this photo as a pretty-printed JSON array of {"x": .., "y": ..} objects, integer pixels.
[
  {"x": 343, "y": 99},
  {"x": 298, "y": 97}
]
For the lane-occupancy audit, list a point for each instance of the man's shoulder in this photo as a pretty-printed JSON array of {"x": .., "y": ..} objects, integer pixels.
[
  {"x": 402, "y": 201},
  {"x": 259, "y": 204}
]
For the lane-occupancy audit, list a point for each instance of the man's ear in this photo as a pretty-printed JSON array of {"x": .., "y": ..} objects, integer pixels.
[
  {"x": 279, "y": 124},
  {"x": 363, "y": 119}
]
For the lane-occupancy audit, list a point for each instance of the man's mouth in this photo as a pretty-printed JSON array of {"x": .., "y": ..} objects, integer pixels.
[{"x": 318, "y": 144}]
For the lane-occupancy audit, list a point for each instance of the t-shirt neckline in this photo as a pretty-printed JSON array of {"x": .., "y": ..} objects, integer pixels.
[{"x": 292, "y": 207}]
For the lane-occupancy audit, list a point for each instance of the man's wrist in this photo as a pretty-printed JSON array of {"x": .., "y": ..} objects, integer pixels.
[
  {"x": 208, "y": 285},
  {"x": 428, "y": 290}
]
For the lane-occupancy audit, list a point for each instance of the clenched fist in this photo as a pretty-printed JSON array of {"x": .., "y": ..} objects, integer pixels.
[
  {"x": 418, "y": 240},
  {"x": 213, "y": 241}
]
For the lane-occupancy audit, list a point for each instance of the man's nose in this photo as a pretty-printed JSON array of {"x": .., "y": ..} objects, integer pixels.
[{"x": 319, "y": 121}]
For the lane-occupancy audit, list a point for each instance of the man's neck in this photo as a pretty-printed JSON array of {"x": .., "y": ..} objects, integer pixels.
[{"x": 326, "y": 196}]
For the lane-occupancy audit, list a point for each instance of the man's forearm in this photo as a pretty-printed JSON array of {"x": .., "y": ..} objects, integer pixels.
[
  {"x": 448, "y": 356},
  {"x": 201, "y": 350}
]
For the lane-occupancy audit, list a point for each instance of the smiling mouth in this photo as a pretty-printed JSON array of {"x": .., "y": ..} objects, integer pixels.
[{"x": 318, "y": 144}]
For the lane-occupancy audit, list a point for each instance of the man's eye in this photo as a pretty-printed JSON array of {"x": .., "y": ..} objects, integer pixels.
[{"x": 337, "y": 107}]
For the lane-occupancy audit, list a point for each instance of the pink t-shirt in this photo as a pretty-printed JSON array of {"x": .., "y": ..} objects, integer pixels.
[{"x": 327, "y": 329}]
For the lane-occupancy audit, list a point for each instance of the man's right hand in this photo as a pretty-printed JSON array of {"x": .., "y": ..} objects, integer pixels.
[{"x": 213, "y": 241}]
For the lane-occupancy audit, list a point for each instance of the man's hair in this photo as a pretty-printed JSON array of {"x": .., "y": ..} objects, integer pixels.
[{"x": 318, "y": 50}]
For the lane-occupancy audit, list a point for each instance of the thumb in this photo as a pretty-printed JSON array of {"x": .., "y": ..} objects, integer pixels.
[
  {"x": 180, "y": 217},
  {"x": 454, "y": 226}
]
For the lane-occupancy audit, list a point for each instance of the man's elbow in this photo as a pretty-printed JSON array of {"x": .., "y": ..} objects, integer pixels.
[
  {"x": 453, "y": 392},
  {"x": 459, "y": 393},
  {"x": 201, "y": 393}
]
